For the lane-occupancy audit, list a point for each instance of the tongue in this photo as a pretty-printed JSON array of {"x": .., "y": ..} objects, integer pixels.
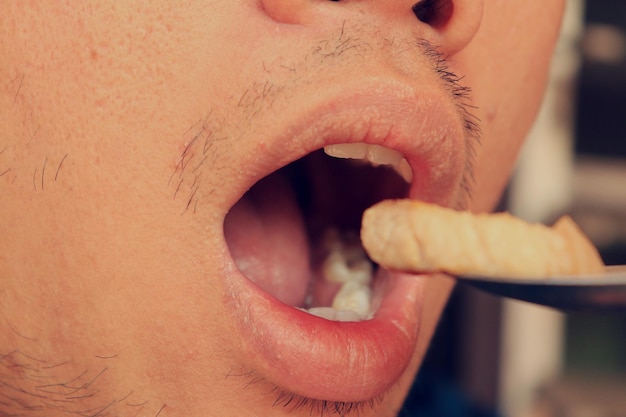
[{"x": 267, "y": 238}]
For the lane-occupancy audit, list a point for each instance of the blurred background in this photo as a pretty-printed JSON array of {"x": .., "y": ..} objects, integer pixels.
[{"x": 506, "y": 358}]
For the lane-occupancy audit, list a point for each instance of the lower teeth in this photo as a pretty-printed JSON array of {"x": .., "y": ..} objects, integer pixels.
[
  {"x": 353, "y": 297},
  {"x": 347, "y": 264},
  {"x": 330, "y": 313}
]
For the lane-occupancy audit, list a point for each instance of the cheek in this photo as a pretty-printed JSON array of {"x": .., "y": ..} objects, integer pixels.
[
  {"x": 508, "y": 74},
  {"x": 106, "y": 65}
]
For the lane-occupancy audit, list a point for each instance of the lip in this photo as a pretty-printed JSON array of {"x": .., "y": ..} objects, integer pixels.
[{"x": 349, "y": 361}]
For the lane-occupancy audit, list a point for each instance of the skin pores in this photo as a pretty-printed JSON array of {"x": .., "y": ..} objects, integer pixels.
[{"x": 127, "y": 133}]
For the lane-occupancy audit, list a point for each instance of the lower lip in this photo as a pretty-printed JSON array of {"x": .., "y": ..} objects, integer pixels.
[{"x": 328, "y": 360}]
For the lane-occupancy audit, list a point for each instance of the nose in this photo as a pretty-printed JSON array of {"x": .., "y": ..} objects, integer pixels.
[{"x": 448, "y": 24}]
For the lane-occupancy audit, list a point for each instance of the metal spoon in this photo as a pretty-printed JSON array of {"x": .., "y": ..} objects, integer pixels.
[{"x": 601, "y": 293}]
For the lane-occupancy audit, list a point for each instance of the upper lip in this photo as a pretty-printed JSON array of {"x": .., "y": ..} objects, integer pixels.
[
  {"x": 421, "y": 124},
  {"x": 339, "y": 361}
]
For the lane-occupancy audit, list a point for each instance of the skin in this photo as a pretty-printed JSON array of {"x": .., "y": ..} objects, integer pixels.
[{"x": 113, "y": 295}]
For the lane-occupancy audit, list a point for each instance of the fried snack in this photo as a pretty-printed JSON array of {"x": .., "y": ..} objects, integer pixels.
[{"x": 417, "y": 237}]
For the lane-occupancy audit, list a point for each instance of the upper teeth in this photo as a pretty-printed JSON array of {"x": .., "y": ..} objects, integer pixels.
[{"x": 375, "y": 154}]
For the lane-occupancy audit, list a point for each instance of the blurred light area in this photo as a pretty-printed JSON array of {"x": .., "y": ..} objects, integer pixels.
[
  {"x": 599, "y": 204},
  {"x": 532, "y": 343},
  {"x": 604, "y": 43}
]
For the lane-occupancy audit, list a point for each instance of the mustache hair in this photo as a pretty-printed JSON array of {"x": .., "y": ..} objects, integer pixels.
[{"x": 352, "y": 46}]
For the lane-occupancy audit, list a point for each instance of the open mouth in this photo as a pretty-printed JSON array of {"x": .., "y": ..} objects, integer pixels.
[
  {"x": 318, "y": 318},
  {"x": 295, "y": 234}
]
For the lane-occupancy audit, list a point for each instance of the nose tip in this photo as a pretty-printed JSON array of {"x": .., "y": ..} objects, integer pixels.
[{"x": 448, "y": 24}]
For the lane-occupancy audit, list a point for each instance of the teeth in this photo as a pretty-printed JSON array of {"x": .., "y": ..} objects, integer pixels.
[
  {"x": 353, "y": 297},
  {"x": 346, "y": 264},
  {"x": 347, "y": 150},
  {"x": 375, "y": 154},
  {"x": 346, "y": 260},
  {"x": 338, "y": 269},
  {"x": 379, "y": 155},
  {"x": 347, "y": 315},
  {"x": 329, "y": 313},
  {"x": 404, "y": 169}
]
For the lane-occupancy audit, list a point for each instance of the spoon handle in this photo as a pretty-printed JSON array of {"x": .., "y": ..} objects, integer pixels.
[{"x": 598, "y": 293}]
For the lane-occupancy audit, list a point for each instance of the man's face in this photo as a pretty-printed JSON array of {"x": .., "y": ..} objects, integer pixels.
[{"x": 165, "y": 194}]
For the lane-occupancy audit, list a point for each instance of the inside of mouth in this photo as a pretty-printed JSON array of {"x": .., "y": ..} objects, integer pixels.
[{"x": 295, "y": 233}]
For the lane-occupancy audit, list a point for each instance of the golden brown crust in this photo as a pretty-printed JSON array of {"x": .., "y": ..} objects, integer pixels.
[{"x": 419, "y": 237}]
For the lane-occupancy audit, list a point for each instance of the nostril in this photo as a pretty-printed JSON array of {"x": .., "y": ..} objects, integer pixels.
[{"x": 435, "y": 13}]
